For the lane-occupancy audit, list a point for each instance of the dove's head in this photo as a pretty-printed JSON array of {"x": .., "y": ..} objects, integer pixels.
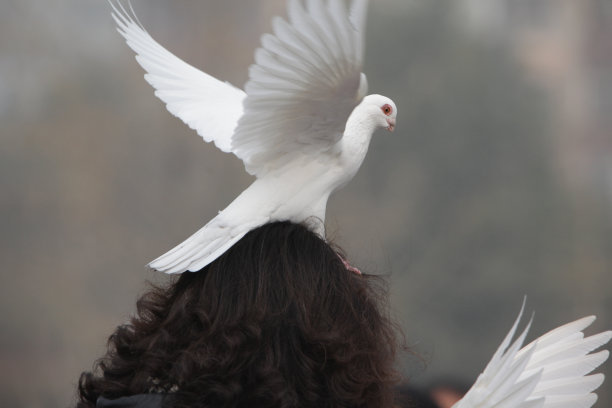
[{"x": 382, "y": 110}]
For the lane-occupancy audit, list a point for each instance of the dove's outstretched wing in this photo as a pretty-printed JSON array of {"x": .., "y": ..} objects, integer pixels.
[
  {"x": 550, "y": 372},
  {"x": 304, "y": 84},
  {"x": 205, "y": 104}
]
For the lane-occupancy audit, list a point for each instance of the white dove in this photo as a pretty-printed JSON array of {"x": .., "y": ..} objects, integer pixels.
[
  {"x": 550, "y": 372},
  {"x": 302, "y": 126}
]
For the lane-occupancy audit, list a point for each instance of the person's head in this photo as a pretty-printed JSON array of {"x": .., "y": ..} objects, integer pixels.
[
  {"x": 441, "y": 393},
  {"x": 447, "y": 391},
  {"x": 277, "y": 321}
]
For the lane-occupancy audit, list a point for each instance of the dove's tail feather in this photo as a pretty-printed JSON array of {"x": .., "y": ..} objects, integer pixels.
[{"x": 203, "y": 247}]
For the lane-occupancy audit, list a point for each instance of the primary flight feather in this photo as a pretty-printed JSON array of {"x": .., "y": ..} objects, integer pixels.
[
  {"x": 550, "y": 372},
  {"x": 302, "y": 125}
]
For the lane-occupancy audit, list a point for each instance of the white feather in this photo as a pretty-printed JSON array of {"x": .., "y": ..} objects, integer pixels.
[
  {"x": 550, "y": 372},
  {"x": 310, "y": 66},
  {"x": 207, "y": 105},
  {"x": 302, "y": 128}
]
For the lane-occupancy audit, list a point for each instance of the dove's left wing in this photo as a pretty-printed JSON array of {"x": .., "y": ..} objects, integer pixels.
[
  {"x": 550, "y": 372},
  {"x": 304, "y": 84},
  {"x": 205, "y": 104}
]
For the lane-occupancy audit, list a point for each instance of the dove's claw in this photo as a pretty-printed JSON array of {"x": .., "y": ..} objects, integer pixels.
[{"x": 348, "y": 266}]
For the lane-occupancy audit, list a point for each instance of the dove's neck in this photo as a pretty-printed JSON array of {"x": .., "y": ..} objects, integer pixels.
[{"x": 357, "y": 135}]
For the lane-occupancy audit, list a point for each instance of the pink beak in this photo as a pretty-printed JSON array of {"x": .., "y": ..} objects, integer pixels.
[{"x": 391, "y": 123}]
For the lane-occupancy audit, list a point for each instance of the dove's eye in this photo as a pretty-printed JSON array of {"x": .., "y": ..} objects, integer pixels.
[{"x": 387, "y": 109}]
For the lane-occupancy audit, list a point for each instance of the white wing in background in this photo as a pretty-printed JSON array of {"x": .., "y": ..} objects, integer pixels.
[
  {"x": 205, "y": 104},
  {"x": 304, "y": 84},
  {"x": 550, "y": 372}
]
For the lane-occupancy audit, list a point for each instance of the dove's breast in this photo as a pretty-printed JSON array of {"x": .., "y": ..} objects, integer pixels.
[{"x": 298, "y": 193}]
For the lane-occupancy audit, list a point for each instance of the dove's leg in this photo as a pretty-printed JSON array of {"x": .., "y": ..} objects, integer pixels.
[{"x": 348, "y": 266}]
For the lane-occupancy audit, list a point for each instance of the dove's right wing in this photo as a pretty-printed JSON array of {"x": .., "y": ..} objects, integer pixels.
[
  {"x": 304, "y": 84},
  {"x": 551, "y": 372},
  {"x": 205, "y": 104}
]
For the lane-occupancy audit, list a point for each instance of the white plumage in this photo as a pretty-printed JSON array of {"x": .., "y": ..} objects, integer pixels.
[
  {"x": 302, "y": 126},
  {"x": 550, "y": 372}
]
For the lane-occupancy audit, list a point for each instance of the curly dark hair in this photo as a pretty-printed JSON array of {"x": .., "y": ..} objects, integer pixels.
[{"x": 277, "y": 321}]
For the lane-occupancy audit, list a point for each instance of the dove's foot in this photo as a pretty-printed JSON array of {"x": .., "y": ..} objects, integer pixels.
[{"x": 348, "y": 266}]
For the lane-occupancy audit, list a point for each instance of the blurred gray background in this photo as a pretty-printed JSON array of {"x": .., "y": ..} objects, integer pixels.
[{"x": 496, "y": 184}]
